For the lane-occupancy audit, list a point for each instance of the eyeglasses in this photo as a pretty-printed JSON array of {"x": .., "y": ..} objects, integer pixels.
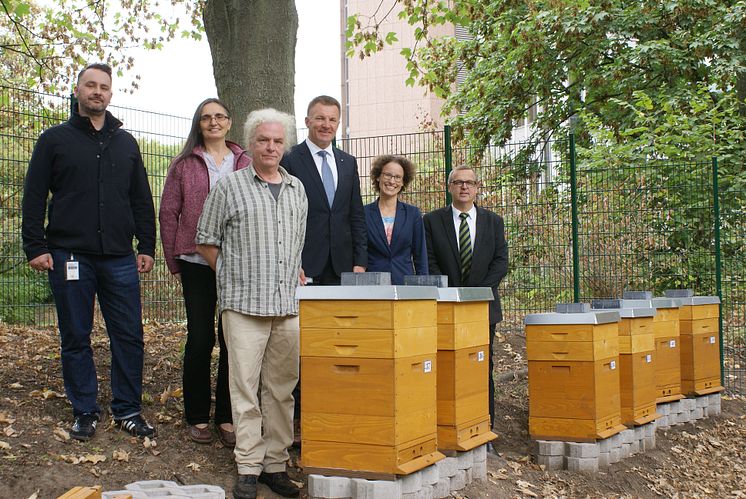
[
  {"x": 391, "y": 177},
  {"x": 464, "y": 183},
  {"x": 220, "y": 118}
]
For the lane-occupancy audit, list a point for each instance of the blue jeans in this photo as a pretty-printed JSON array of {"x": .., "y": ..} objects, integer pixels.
[{"x": 116, "y": 282}]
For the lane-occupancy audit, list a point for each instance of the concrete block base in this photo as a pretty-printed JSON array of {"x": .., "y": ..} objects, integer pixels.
[
  {"x": 582, "y": 464},
  {"x": 434, "y": 482},
  {"x": 162, "y": 488}
]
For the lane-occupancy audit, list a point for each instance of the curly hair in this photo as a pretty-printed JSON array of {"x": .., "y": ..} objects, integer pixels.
[
  {"x": 269, "y": 115},
  {"x": 380, "y": 161}
]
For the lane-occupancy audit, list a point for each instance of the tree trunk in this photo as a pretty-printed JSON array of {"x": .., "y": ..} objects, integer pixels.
[{"x": 252, "y": 43}]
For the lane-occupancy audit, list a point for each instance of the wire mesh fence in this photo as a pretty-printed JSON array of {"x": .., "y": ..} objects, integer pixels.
[
  {"x": 24, "y": 294},
  {"x": 648, "y": 226}
]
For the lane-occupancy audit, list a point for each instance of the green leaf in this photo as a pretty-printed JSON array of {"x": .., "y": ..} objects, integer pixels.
[{"x": 22, "y": 9}]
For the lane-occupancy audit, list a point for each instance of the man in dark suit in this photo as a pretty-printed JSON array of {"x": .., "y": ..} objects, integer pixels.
[
  {"x": 467, "y": 243},
  {"x": 336, "y": 236}
]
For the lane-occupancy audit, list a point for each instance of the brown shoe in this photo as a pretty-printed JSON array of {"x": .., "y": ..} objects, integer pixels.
[
  {"x": 227, "y": 438},
  {"x": 200, "y": 435}
]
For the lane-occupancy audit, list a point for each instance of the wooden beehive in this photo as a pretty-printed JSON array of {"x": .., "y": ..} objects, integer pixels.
[
  {"x": 368, "y": 370},
  {"x": 699, "y": 320},
  {"x": 636, "y": 362},
  {"x": 84, "y": 493},
  {"x": 573, "y": 375},
  {"x": 463, "y": 368},
  {"x": 667, "y": 347}
]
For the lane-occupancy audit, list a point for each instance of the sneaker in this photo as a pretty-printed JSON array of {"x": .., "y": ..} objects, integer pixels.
[
  {"x": 136, "y": 426},
  {"x": 84, "y": 427},
  {"x": 245, "y": 487},
  {"x": 280, "y": 483}
]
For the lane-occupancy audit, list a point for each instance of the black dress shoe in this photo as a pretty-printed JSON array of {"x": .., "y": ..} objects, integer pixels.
[
  {"x": 84, "y": 427},
  {"x": 245, "y": 487},
  {"x": 136, "y": 426},
  {"x": 280, "y": 483}
]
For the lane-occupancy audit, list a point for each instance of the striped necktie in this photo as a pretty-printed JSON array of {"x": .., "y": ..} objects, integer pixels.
[{"x": 464, "y": 244}]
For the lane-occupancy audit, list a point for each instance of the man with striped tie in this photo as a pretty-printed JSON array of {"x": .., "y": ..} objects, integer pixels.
[{"x": 467, "y": 243}]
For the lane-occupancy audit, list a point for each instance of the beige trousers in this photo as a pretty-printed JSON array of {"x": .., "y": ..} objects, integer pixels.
[{"x": 262, "y": 351}]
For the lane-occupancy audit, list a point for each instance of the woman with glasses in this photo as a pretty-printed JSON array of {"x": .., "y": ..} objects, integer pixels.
[
  {"x": 205, "y": 158},
  {"x": 396, "y": 235}
]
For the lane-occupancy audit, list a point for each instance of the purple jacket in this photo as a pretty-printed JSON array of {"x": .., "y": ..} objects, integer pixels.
[{"x": 184, "y": 193}]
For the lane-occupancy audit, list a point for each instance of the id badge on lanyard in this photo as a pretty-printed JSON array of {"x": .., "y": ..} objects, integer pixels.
[{"x": 72, "y": 269}]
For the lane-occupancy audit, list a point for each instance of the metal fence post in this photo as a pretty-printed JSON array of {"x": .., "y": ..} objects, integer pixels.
[
  {"x": 574, "y": 206},
  {"x": 718, "y": 261},
  {"x": 449, "y": 159}
]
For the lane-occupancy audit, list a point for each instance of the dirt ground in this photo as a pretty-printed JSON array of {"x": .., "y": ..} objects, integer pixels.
[{"x": 39, "y": 460}]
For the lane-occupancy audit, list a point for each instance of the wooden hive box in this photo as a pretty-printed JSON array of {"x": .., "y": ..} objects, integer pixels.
[
  {"x": 699, "y": 325},
  {"x": 636, "y": 362},
  {"x": 369, "y": 368},
  {"x": 667, "y": 346},
  {"x": 463, "y": 368},
  {"x": 573, "y": 375}
]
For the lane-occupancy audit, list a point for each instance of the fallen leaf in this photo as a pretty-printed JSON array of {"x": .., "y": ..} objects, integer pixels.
[
  {"x": 69, "y": 458},
  {"x": 35, "y": 495},
  {"x": 501, "y": 474},
  {"x": 4, "y": 445},
  {"x": 93, "y": 458},
  {"x": 148, "y": 443},
  {"x": 61, "y": 434},
  {"x": 193, "y": 466},
  {"x": 5, "y": 419},
  {"x": 10, "y": 431},
  {"x": 15, "y": 385},
  {"x": 121, "y": 455},
  {"x": 165, "y": 395},
  {"x": 46, "y": 394}
]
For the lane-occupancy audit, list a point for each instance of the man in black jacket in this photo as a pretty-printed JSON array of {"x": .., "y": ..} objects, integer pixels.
[
  {"x": 467, "y": 243},
  {"x": 336, "y": 237},
  {"x": 100, "y": 200}
]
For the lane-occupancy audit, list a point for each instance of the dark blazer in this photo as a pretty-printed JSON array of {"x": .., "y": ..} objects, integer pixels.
[
  {"x": 489, "y": 253},
  {"x": 407, "y": 254},
  {"x": 338, "y": 230}
]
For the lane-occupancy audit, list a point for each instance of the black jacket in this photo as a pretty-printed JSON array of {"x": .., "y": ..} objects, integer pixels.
[
  {"x": 489, "y": 262},
  {"x": 100, "y": 192}
]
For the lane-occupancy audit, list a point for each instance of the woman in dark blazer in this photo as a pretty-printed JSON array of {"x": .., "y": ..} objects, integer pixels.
[{"x": 396, "y": 235}]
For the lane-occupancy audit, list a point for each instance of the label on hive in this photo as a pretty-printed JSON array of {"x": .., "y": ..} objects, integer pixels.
[
  {"x": 612, "y": 365},
  {"x": 712, "y": 340},
  {"x": 427, "y": 366},
  {"x": 480, "y": 356},
  {"x": 648, "y": 358},
  {"x": 672, "y": 344}
]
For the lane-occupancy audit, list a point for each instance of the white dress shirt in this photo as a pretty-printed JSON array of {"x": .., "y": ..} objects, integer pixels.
[
  {"x": 471, "y": 221},
  {"x": 329, "y": 159}
]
